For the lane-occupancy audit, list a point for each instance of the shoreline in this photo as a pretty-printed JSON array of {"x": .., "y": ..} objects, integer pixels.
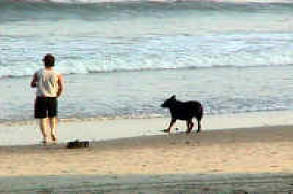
[{"x": 236, "y": 115}]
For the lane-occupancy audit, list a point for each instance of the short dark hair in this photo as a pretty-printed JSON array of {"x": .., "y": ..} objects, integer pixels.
[{"x": 49, "y": 60}]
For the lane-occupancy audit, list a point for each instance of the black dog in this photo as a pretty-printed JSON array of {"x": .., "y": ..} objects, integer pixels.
[{"x": 184, "y": 111}]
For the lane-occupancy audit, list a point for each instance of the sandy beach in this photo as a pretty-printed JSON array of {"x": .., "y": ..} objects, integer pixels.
[
  {"x": 236, "y": 158},
  {"x": 261, "y": 150},
  {"x": 120, "y": 60}
]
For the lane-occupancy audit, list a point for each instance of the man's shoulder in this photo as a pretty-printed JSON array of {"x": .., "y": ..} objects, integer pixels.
[{"x": 60, "y": 76}]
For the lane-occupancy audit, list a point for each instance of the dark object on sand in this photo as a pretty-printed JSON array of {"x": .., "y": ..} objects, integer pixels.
[
  {"x": 184, "y": 111},
  {"x": 77, "y": 144}
]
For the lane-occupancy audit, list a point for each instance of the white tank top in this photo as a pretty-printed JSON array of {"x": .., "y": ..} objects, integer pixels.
[{"x": 47, "y": 85}]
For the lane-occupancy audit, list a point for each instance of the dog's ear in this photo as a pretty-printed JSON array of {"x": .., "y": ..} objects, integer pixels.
[{"x": 173, "y": 97}]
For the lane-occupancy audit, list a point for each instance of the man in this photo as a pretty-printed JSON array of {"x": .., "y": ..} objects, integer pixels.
[{"x": 49, "y": 85}]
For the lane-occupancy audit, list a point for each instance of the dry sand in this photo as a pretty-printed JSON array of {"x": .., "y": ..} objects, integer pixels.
[{"x": 261, "y": 155}]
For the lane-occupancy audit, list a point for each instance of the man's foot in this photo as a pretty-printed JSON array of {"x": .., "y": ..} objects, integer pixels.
[
  {"x": 54, "y": 138},
  {"x": 45, "y": 141}
]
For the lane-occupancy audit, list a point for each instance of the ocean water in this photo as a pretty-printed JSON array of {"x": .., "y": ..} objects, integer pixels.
[{"x": 122, "y": 58}]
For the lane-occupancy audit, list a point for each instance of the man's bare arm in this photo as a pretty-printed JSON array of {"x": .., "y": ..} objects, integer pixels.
[
  {"x": 60, "y": 85},
  {"x": 34, "y": 81}
]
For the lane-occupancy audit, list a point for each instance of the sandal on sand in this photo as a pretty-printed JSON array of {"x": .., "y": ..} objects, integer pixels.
[{"x": 77, "y": 144}]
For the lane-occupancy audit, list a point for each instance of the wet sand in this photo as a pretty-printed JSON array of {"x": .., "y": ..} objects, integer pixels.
[
  {"x": 174, "y": 183},
  {"x": 252, "y": 159},
  {"x": 98, "y": 129}
]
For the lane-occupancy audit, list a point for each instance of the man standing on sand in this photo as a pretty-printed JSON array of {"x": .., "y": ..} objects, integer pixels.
[{"x": 49, "y": 85}]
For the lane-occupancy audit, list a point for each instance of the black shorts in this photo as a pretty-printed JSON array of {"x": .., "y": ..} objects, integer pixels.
[{"x": 45, "y": 107}]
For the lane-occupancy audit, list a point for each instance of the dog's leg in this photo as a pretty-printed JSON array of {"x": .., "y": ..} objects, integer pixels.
[
  {"x": 170, "y": 126},
  {"x": 198, "y": 126},
  {"x": 189, "y": 124}
]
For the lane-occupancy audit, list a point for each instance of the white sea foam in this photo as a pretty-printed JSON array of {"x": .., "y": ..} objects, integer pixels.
[
  {"x": 252, "y": 43},
  {"x": 157, "y": 53}
]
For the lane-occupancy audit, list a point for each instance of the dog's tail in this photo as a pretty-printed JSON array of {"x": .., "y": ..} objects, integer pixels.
[
  {"x": 200, "y": 113},
  {"x": 199, "y": 117}
]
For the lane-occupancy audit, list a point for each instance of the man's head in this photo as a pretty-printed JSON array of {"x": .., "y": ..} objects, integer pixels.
[{"x": 49, "y": 60}]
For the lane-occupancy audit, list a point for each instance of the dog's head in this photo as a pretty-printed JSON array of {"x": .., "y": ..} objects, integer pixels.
[{"x": 168, "y": 102}]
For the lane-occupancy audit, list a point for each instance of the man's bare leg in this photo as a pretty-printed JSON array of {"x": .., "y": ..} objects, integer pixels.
[
  {"x": 53, "y": 125},
  {"x": 43, "y": 127}
]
